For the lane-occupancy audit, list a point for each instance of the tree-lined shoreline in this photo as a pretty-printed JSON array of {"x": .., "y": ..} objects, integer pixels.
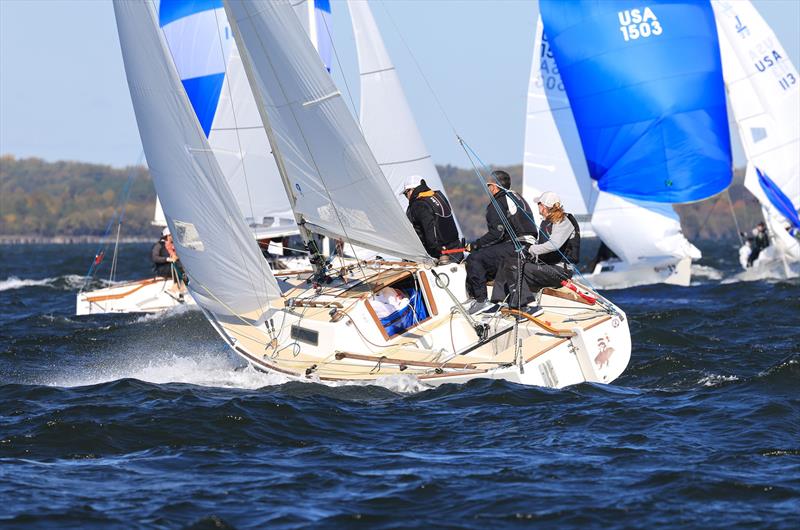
[{"x": 72, "y": 202}]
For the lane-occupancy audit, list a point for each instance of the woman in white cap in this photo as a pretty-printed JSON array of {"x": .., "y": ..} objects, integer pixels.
[{"x": 549, "y": 256}]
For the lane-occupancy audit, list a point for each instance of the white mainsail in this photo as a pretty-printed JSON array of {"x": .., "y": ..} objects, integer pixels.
[
  {"x": 764, "y": 95},
  {"x": 554, "y": 160},
  {"x": 386, "y": 119},
  {"x": 229, "y": 276},
  {"x": 335, "y": 185}
]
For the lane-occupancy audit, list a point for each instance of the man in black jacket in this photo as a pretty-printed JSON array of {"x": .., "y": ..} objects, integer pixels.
[
  {"x": 489, "y": 251},
  {"x": 430, "y": 213}
]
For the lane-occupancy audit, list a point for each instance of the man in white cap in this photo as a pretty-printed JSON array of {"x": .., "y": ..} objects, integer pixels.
[
  {"x": 549, "y": 256},
  {"x": 430, "y": 213},
  {"x": 161, "y": 256}
]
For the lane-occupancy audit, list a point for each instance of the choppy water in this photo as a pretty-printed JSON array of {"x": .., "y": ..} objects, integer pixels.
[{"x": 149, "y": 422}]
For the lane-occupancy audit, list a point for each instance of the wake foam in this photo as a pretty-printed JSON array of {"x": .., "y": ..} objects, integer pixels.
[
  {"x": 704, "y": 272},
  {"x": 207, "y": 369}
]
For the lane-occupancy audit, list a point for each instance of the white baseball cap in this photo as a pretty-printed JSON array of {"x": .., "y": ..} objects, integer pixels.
[
  {"x": 548, "y": 198},
  {"x": 411, "y": 182},
  {"x": 165, "y": 232}
]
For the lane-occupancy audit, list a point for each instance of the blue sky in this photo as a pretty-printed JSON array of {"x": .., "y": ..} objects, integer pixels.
[{"x": 63, "y": 94}]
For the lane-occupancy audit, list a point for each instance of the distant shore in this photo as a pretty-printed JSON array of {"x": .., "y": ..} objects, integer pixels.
[{"x": 65, "y": 240}]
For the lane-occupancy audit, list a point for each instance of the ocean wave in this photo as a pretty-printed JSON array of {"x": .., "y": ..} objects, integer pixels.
[
  {"x": 67, "y": 282},
  {"x": 705, "y": 272}
]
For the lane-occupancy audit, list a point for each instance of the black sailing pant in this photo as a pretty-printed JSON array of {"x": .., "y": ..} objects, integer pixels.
[
  {"x": 482, "y": 266},
  {"x": 535, "y": 277}
]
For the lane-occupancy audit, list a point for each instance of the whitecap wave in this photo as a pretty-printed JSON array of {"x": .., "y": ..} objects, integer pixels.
[
  {"x": 716, "y": 380},
  {"x": 17, "y": 283},
  {"x": 67, "y": 282},
  {"x": 705, "y": 272}
]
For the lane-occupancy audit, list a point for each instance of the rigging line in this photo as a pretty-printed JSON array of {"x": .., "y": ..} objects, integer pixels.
[
  {"x": 238, "y": 142},
  {"x": 286, "y": 97},
  {"x": 419, "y": 69},
  {"x": 235, "y": 118},
  {"x": 118, "y": 215},
  {"x": 735, "y": 220},
  {"x": 344, "y": 77},
  {"x": 530, "y": 217},
  {"x": 503, "y": 217}
]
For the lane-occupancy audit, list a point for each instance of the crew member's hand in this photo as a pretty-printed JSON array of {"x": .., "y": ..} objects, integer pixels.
[{"x": 530, "y": 240}]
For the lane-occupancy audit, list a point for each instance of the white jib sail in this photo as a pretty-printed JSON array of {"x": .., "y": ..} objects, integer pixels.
[
  {"x": 554, "y": 158},
  {"x": 336, "y": 185},
  {"x": 386, "y": 119},
  {"x": 228, "y": 275},
  {"x": 764, "y": 94},
  {"x": 158, "y": 215},
  {"x": 554, "y": 161}
]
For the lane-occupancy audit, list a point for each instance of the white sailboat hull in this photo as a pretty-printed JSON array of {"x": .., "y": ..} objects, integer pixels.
[
  {"x": 151, "y": 295},
  {"x": 616, "y": 274},
  {"x": 338, "y": 340}
]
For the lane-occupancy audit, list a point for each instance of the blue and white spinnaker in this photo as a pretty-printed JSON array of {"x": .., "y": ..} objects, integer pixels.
[{"x": 646, "y": 89}]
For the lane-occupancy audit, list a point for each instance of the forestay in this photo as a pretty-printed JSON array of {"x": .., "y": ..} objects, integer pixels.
[
  {"x": 645, "y": 83},
  {"x": 386, "y": 119},
  {"x": 764, "y": 93},
  {"x": 335, "y": 183},
  {"x": 554, "y": 161},
  {"x": 229, "y": 276}
]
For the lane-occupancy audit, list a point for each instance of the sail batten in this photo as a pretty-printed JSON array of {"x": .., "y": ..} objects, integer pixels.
[{"x": 329, "y": 173}]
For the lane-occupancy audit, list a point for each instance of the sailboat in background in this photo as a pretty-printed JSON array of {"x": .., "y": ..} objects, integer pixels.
[
  {"x": 617, "y": 139},
  {"x": 386, "y": 118},
  {"x": 332, "y": 331},
  {"x": 205, "y": 55},
  {"x": 764, "y": 94}
]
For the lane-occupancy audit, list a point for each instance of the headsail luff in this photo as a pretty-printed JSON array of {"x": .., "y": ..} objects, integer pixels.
[
  {"x": 229, "y": 276},
  {"x": 386, "y": 118},
  {"x": 650, "y": 104},
  {"x": 554, "y": 160},
  {"x": 764, "y": 93},
  {"x": 332, "y": 178}
]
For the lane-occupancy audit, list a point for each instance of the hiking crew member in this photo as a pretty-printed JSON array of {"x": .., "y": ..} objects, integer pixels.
[
  {"x": 548, "y": 258},
  {"x": 430, "y": 213},
  {"x": 489, "y": 251},
  {"x": 161, "y": 256},
  {"x": 758, "y": 242}
]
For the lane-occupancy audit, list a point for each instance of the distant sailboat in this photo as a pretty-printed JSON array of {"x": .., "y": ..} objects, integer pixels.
[
  {"x": 614, "y": 143},
  {"x": 333, "y": 331},
  {"x": 764, "y": 94},
  {"x": 201, "y": 46}
]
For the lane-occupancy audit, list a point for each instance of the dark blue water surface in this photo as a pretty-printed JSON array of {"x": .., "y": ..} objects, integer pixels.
[{"x": 149, "y": 422}]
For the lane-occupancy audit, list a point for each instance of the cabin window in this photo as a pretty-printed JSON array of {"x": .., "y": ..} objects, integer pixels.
[{"x": 399, "y": 307}]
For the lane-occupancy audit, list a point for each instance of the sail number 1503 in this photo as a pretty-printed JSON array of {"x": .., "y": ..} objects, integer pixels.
[{"x": 635, "y": 23}]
